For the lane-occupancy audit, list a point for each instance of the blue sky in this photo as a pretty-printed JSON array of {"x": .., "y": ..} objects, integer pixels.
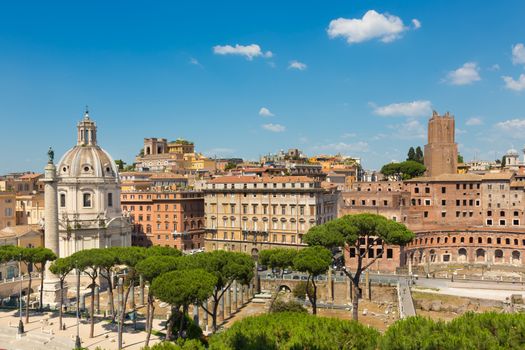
[{"x": 247, "y": 78}]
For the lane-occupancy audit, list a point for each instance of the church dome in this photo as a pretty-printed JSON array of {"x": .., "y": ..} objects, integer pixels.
[
  {"x": 87, "y": 159},
  {"x": 512, "y": 152}
]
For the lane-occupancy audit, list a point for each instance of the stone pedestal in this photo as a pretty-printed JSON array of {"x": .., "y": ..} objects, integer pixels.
[{"x": 51, "y": 293}]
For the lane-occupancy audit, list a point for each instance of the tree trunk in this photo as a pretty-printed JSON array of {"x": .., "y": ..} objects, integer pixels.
[
  {"x": 182, "y": 321},
  {"x": 92, "y": 310},
  {"x": 61, "y": 304},
  {"x": 124, "y": 303},
  {"x": 169, "y": 325},
  {"x": 214, "y": 313},
  {"x": 355, "y": 301},
  {"x": 28, "y": 295},
  {"x": 41, "y": 290}
]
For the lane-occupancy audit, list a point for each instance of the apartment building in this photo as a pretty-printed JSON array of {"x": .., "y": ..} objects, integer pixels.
[
  {"x": 7, "y": 209},
  {"x": 166, "y": 217},
  {"x": 250, "y": 213}
]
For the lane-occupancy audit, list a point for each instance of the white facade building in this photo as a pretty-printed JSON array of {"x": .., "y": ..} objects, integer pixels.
[{"x": 89, "y": 211}]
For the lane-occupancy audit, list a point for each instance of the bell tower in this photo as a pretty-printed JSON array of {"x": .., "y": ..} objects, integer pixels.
[{"x": 441, "y": 151}]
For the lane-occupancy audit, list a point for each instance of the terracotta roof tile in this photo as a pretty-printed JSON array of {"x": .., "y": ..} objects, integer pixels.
[{"x": 256, "y": 179}]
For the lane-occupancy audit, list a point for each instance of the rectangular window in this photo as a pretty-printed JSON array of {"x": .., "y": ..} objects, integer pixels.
[
  {"x": 62, "y": 200},
  {"x": 443, "y": 190},
  {"x": 443, "y": 202},
  {"x": 110, "y": 199},
  {"x": 86, "y": 200},
  {"x": 389, "y": 253},
  {"x": 489, "y": 222}
]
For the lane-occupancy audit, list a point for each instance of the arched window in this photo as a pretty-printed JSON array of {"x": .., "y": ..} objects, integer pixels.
[
  {"x": 480, "y": 240},
  {"x": 462, "y": 255},
  {"x": 148, "y": 229},
  {"x": 516, "y": 258},
  {"x": 480, "y": 255},
  {"x": 498, "y": 256},
  {"x": 489, "y": 240}
]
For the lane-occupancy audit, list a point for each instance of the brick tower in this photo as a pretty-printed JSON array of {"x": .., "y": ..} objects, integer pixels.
[{"x": 441, "y": 152}]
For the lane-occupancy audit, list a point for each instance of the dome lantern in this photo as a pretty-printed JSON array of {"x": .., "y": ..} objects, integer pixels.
[{"x": 87, "y": 131}]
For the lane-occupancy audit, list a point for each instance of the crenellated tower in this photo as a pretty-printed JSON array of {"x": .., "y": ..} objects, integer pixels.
[{"x": 441, "y": 151}]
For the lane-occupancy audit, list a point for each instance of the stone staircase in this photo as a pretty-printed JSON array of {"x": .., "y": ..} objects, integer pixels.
[
  {"x": 263, "y": 297},
  {"x": 33, "y": 340}
]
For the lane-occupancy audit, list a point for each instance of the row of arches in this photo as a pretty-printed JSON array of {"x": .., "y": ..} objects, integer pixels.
[
  {"x": 466, "y": 256},
  {"x": 461, "y": 239}
]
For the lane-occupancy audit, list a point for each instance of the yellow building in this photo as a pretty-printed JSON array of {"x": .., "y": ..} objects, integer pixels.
[
  {"x": 7, "y": 209},
  {"x": 27, "y": 236}
]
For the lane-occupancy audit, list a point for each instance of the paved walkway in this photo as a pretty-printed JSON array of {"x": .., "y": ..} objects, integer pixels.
[
  {"x": 406, "y": 304},
  {"x": 48, "y": 337}
]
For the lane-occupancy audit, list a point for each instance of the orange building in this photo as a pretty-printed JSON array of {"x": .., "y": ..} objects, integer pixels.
[{"x": 172, "y": 218}]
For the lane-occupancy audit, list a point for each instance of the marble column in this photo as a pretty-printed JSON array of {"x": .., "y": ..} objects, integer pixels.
[
  {"x": 141, "y": 295},
  {"x": 97, "y": 300},
  {"x": 51, "y": 290},
  {"x": 221, "y": 308},
  {"x": 228, "y": 297},
  {"x": 235, "y": 300},
  {"x": 205, "y": 318}
]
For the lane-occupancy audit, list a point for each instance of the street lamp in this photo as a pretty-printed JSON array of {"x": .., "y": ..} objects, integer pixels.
[
  {"x": 78, "y": 343},
  {"x": 20, "y": 323}
]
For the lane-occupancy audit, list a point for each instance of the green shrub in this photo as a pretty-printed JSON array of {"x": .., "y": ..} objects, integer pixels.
[
  {"x": 180, "y": 344},
  {"x": 484, "y": 331},
  {"x": 299, "y": 290},
  {"x": 291, "y": 330},
  {"x": 279, "y": 305}
]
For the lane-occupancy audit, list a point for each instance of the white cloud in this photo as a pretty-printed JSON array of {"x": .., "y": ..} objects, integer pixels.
[
  {"x": 474, "y": 121},
  {"x": 409, "y": 130},
  {"x": 518, "y": 54},
  {"x": 464, "y": 75},
  {"x": 297, "y": 65},
  {"x": 360, "y": 146},
  {"x": 511, "y": 124},
  {"x": 407, "y": 109},
  {"x": 274, "y": 127},
  {"x": 265, "y": 112},
  {"x": 514, "y": 128},
  {"x": 516, "y": 85},
  {"x": 494, "y": 68},
  {"x": 248, "y": 51},
  {"x": 373, "y": 25}
]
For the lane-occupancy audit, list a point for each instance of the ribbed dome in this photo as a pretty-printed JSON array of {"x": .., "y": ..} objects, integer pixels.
[
  {"x": 512, "y": 152},
  {"x": 87, "y": 159},
  {"x": 87, "y": 162}
]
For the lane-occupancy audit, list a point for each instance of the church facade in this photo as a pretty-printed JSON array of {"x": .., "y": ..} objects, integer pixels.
[{"x": 88, "y": 190}]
